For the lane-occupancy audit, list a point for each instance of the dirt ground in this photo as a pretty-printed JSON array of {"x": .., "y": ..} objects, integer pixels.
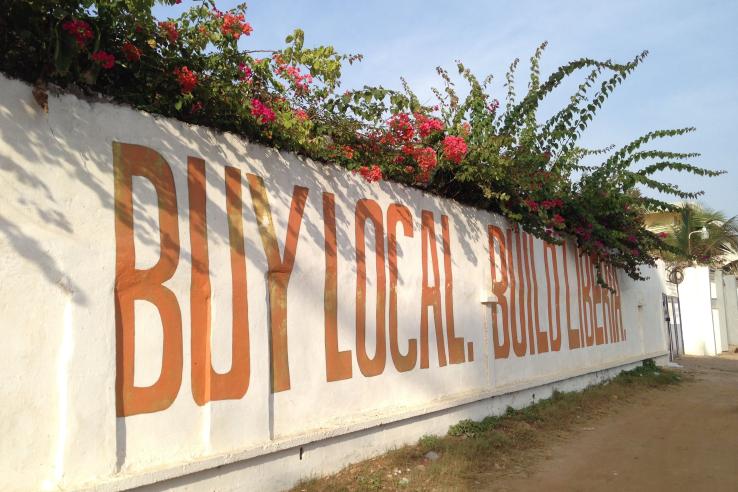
[{"x": 682, "y": 439}]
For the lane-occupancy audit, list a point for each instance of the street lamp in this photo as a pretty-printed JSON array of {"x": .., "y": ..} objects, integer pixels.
[{"x": 704, "y": 234}]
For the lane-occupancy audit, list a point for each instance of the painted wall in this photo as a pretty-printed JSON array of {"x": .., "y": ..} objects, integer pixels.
[
  {"x": 719, "y": 322},
  {"x": 695, "y": 298},
  {"x": 730, "y": 293},
  {"x": 176, "y": 299}
]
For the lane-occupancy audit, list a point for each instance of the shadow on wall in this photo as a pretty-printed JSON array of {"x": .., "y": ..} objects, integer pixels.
[
  {"x": 41, "y": 154},
  {"x": 27, "y": 137},
  {"x": 48, "y": 141}
]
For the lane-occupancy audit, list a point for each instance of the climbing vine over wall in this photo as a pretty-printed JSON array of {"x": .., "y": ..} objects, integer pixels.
[{"x": 483, "y": 149}]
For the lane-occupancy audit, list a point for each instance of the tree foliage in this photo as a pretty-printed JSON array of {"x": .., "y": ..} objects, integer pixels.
[{"x": 686, "y": 245}]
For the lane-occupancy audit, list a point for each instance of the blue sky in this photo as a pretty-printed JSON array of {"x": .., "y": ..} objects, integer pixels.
[{"x": 689, "y": 79}]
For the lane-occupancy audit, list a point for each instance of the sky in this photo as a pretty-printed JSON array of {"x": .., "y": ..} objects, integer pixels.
[{"x": 690, "y": 77}]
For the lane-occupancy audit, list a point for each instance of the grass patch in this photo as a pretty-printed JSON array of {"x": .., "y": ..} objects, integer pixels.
[
  {"x": 495, "y": 444},
  {"x": 429, "y": 443}
]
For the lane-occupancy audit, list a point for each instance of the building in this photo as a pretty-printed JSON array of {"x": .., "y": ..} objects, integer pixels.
[{"x": 700, "y": 304}]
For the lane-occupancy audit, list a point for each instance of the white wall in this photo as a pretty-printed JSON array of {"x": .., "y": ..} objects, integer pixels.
[
  {"x": 697, "y": 315},
  {"x": 731, "y": 308},
  {"x": 668, "y": 288},
  {"x": 720, "y": 324},
  {"x": 67, "y": 261},
  {"x": 283, "y": 469}
]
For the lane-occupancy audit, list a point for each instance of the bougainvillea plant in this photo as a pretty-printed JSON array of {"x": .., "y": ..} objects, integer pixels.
[{"x": 474, "y": 149}]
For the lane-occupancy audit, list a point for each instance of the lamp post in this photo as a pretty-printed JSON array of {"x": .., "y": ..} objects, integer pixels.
[{"x": 704, "y": 234}]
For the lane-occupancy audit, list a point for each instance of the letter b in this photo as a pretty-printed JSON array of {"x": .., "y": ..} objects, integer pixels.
[{"x": 132, "y": 284}]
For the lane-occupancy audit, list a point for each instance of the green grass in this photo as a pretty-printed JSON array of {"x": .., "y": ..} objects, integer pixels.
[{"x": 472, "y": 449}]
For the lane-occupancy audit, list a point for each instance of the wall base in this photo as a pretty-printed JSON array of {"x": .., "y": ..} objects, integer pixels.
[{"x": 285, "y": 468}]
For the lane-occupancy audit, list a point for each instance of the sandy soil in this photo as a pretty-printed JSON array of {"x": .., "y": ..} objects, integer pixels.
[{"x": 685, "y": 439}]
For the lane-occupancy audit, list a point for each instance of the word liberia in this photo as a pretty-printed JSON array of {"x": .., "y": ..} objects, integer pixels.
[
  {"x": 514, "y": 282},
  {"x": 591, "y": 295}
]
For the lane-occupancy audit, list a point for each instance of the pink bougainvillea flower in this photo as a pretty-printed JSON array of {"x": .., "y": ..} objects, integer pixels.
[
  {"x": 234, "y": 25},
  {"x": 426, "y": 159},
  {"x": 422, "y": 177},
  {"x": 131, "y": 52},
  {"x": 348, "y": 152},
  {"x": 301, "y": 114},
  {"x": 279, "y": 59},
  {"x": 556, "y": 202},
  {"x": 262, "y": 112},
  {"x": 387, "y": 139},
  {"x": 558, "y": 220},
  {"x": 454, "y": 148},
  {"x": 170, "y": 30},
  {"x": 427, "y": 126},
  {"x": 104, "y": 59},
  {"x": 245, "y": 70},
  {"x": 583, "y": 233},
  {"x": 371, "y": 174},
  {"x": 187, "y": 79},
  {"x": 79, "y": 30},
  {"x": 293, "y": 74},
  {"x": 409, "y": 169},
  {"x": 408, "y": 149},
  {"x": 532, "y": 204},
  {"x": 401, "y": 127},
  {"x": 663, "y": 235}
]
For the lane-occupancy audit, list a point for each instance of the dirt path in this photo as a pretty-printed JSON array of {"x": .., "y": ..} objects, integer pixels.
[{"x": 682, "y": 439}]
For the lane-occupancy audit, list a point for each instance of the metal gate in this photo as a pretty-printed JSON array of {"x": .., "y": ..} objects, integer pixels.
[{"x": 673, "y": 317}]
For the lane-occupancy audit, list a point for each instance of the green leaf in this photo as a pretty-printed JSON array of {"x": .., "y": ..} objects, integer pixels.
[{"x": 65, "y": 51}]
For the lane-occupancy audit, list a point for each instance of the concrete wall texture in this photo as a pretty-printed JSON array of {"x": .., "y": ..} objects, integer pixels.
[
  {"x": 720, "y": 324},
  {"x": 175, "y": 299},
  {"x": 731, "y": 308}
]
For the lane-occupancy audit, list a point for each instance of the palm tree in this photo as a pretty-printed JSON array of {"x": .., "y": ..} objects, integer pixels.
[{"x": 718, "y": 250}]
